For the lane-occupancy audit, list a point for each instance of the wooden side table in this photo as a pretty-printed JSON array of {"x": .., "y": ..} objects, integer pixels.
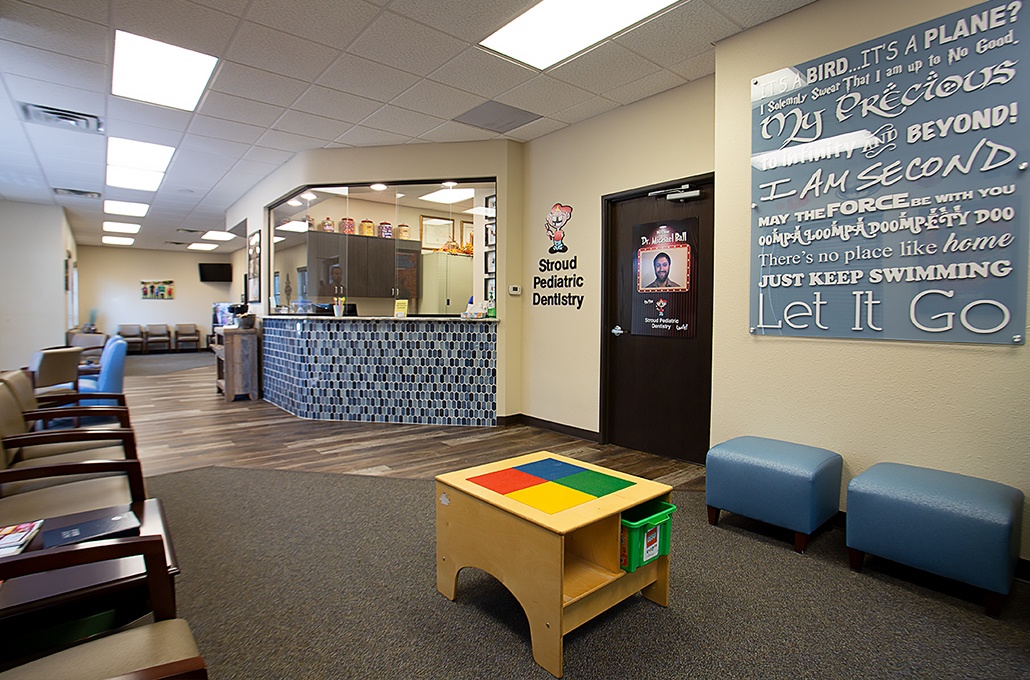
[
  {"x": 236, "y": 359},
  {"x": 556, "y": 551}
]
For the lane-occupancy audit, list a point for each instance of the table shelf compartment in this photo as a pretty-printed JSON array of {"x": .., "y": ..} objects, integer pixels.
[{"x": 582, "y": 577}]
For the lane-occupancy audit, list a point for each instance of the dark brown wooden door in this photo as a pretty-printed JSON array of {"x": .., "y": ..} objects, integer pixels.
[{"x": 656, "y": 390}]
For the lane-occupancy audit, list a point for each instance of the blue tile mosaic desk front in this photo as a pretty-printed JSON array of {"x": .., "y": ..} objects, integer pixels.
[{"x": 424, "y": 371}]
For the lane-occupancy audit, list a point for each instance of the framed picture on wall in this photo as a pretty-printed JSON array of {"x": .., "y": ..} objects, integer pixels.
[
  {"x": 254, "y": 267},
  {"x": 491, "y": 206},
  {"x": 491, "y": 235},
  {"x": 490, "y": 289},
  {"x": 490, "y": 257}
]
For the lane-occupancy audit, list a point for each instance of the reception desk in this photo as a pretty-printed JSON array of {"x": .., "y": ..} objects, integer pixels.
[{"x": 412, "y": 370}]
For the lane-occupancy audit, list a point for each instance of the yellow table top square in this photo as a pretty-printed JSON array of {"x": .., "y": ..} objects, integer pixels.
[{"x": 550, "y": 497}]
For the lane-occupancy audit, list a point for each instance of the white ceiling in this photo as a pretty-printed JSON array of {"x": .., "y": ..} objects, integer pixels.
[{"x": 305, "y": 74}]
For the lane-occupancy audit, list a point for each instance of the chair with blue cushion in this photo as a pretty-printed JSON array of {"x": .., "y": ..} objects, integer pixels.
[{"x": 110, "y": 379}]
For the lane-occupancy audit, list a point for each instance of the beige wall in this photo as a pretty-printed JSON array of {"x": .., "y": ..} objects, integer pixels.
[
  {"x": 664, "y": 138},
  {"x": 947, "y": 406},
  {"x": 34, "y": 306},
  {"x": 110, "y": 283}
]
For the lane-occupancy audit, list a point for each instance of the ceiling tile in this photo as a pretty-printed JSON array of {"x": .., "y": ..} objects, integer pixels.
[
  {"x": 544, "y": 95},
  {"x": 222, "y": 147},
  {"x": 234, "y": 7},
  {"x": 452, "y": 131},
  {"x": 177, "y": 22},
  {"x": 311, "y": 125},
  {"x": 405, "y": 44},
  {"x": 748, "y": 13},
  {"x": 325, "y": 22},
  {"x": 437, "y": 100},
  {"x": 35, "y": 26},
  {"x": 679, "y": 34},
  {"x": 120, "y": 108},
  {"x": 401, "y": 121},
  {"x": 335, "y": 104},
  {"x": 143, "y": 133},
  {"x": 90, "y": 10},
  {"x": 481, "y": 72},
  {"x": 262, "y": 154},
  {"x": 265, "y": 48},
  {"x": 351, "y": 73},
  {"x": 66, "y": 144},
  {"x": 538, "y": 128},
  {"x": 363, "y": 136},
  {"x": 225, "y": 129},
  {"x": 287, "y": 141},
  {"x": 31, "y": 91},
  {"x": 607, "y": 66},
  {"x": 588, "y": 109},
  {"x": 251, "y": 83},
  {"x": 469, "y": 21},
  {"x": 255, "y": 168},
  {"x": 696, "y": 67},
  {"x": 238, "y": 109},
  {"x": 645, "y": 87},
  {"x": 52, "y": 67}
]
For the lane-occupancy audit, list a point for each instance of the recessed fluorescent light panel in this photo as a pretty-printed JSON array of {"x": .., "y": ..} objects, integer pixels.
[
  {"x": 556, "y": 29},
  {"x": 126, "y": 208},
  {"x": 202, "y": 246},
  {"x": 136, "y": 165},
  {"x": 117, "y": 240},
  {"x": 159, "y": 73},
  {"x": 121, "y": 227},
  {"x": 449, "y": 196},
  {"x": 218, "y": 236}
]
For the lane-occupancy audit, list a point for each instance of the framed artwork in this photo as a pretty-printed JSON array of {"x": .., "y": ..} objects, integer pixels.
[
  {"x": 467, "y": 235},
  {"x": 436, "y": 231},
  {"x": 158, "y": 290},
  {"x": 491, "y": 206},
  {"x": 490, "y": 290},
  {"x": 491, "y": 261},
  {"x": 254, "y": 267},
  {"x": 491, "y": 235}
]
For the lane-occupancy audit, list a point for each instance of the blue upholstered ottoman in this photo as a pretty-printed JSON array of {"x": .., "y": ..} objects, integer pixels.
[
  {"x": 781, "y": 483},
  {"x": 952, "y": 525}
]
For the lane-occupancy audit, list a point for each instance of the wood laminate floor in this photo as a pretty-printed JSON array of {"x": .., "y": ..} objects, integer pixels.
[{"x": 182, "y": 423}]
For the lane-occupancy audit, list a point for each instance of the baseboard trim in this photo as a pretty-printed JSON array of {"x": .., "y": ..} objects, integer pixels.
[{"x": 521, "y": 419}]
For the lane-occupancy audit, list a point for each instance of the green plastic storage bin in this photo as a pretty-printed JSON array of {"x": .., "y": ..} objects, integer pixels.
[{"x": 645, "y": 534}]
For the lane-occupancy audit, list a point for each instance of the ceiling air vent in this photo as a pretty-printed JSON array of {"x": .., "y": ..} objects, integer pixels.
[
  {"x": 77, "y": 193},
  {"x": 59, "y": 118},
  {"x": 177, "y": 243}
]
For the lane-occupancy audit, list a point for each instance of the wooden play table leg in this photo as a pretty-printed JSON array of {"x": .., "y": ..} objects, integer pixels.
[{"x": 526, "y": 558}]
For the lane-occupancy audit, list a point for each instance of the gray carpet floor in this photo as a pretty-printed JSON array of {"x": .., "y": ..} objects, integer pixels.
[{"x": 308, "y": 575}]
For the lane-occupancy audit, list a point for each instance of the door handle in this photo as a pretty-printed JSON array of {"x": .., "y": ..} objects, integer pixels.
[{"x": 617, "y": 331}]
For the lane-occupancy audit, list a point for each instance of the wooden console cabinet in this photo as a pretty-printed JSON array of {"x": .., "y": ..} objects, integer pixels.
[{"x": 236, "y": 358}]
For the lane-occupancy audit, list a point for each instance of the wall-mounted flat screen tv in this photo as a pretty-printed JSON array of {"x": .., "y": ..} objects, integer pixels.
[{"x": 215, "y": 272}]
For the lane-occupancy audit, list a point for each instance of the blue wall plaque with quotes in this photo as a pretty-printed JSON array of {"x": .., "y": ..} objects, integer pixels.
[{"x": 889, "y": 186}]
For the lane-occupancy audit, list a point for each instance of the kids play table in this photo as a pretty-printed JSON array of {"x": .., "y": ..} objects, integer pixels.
[{"x": 548, "y": 528}]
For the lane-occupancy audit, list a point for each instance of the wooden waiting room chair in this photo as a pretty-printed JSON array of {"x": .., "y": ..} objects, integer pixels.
[
  {"x": 132, "y": 333},
  {"x": 92, "y": 345},
  {"x": 23, "y": 448},
  {"x": 156, "y": 336},
  {"x": 187, "y": 333},
  {"x": 162, "y": 649},
  {"x": 99, "y": 484},
  {"x": 56, "y": 369},
  {"x": 39, "y": 411}
]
